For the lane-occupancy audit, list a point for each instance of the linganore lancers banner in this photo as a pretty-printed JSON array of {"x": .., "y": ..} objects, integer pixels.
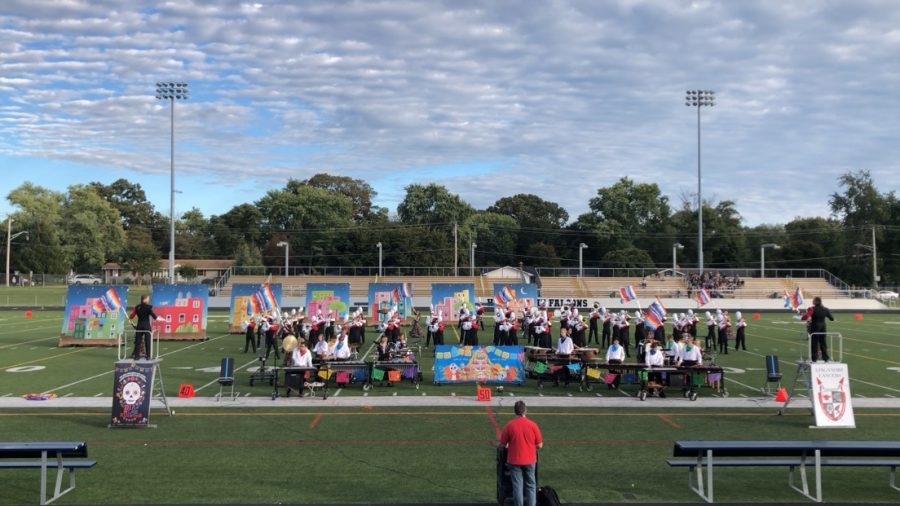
[
  {"x": 831, "y": 395},
  {"x": 479, "y": 364}
]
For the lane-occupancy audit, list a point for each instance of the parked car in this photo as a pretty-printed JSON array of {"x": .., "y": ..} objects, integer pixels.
[
  {"x": 85, "y": 279},
  {"x": 886, "y": 295}
]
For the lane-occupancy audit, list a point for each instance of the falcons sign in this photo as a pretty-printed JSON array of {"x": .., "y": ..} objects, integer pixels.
[{"x": 831, "y": 399}]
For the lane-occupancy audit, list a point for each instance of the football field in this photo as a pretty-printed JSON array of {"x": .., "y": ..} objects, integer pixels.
[{"x": 302, "y": 450}]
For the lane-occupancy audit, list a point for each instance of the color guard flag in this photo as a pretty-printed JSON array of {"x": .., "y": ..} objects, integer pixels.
[
  {"x": 702, "y": 297},
  {"x": 505, "y": 295},
  {"x": 97, "y": 307},
  {"x": 111, "y": 300},
  {"x": 395, "y": 295},
  {"x": 252, "y": 305},
  {"x": 406, "y": 290},
  {"x": 655, "y": 315},
  {"x": 793, "y": 301},
  {"x": 627, "y": 293}
]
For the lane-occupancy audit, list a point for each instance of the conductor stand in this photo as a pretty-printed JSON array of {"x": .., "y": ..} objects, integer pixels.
[
  {"x": 802, "y": 384},
  {"x": 127, "y": 394}
]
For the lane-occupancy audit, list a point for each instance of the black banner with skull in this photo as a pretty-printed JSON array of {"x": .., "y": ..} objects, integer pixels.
[{"x": 132, "y": 391}]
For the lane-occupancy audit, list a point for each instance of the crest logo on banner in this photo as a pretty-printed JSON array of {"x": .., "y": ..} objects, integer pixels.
[{"x": 831, "y": 395}]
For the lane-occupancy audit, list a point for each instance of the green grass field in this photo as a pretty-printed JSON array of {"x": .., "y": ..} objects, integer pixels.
[{"x": 362, "y": 454}]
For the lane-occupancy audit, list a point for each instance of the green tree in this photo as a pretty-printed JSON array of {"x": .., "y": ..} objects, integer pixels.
[
  {"x": 860, "y": 206},
  {"x": 93, "y": 230},
  {"x": 496, "y": 235},
  {"x": 432, "y": 204},
  {"x": 634, "y": 260},
  {"x": 39, "y": 214},
  {"x": 358, "y": 191},
  {"x": 192, "y": 235},
  {"x": 724, "y": 243},
  {"x": 187, "y": 271},
  {"x": 249, "y": 259},
  {"x": 240, "y": 224},
  {"x": 140, "y": 256},
  {"x": 539, "y": 219},
  {"x": 543, "y": 254}
]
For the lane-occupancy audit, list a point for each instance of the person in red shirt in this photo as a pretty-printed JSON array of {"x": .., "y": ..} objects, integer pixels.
[{"x": 522, "y": 439}]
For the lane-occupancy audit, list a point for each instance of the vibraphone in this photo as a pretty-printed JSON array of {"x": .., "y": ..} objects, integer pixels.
[
  {"x": 544, "y": 364},
  {"x": 295, "y": 378},
  {"x": 394, "y": 371},
  {"x": 710, "y": 376},
  {"x": 342, "y": 373}
]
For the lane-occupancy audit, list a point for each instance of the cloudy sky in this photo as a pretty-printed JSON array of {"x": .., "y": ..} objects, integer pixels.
[{"x": 556, "y": 98}]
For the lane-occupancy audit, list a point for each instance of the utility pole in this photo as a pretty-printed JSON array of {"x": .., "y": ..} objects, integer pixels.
[
  {"x": 455, "y": 250},
  {"x": 874, "y": 261}
]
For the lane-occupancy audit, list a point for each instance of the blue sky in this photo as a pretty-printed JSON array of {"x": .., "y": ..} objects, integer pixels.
[{"x": 490, "y": 99}]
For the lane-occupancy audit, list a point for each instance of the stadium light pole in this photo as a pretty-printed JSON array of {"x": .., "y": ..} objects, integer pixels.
[
  {"x": 472, "y": 260},
  {"x": 699, "y": 99},
  {"x": 858, "y": 245},
  {"x": 9, "y": 239},
  {"x": 675, "y": 247},
  {"x": 287, "y": 247},
  {"x": 172, "y": 91},
  {"x": 762, "y": 257},
  {"x": 379, "y": 259},
  {"x": 581, "y": 248}
]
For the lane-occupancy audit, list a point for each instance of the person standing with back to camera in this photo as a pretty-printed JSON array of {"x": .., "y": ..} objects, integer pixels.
[
  {"x": 143, "y": 329},
  {"x": 815, "y": 315},
  {"x": 522, "y": 439}
]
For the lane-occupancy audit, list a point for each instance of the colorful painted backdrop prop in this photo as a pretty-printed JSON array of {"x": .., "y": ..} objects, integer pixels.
[
  {"x": 183, "y": 309},
  {"x": 132, "y": 389},
  {"x": 94, "y": 314},
  {"x": 384, "y": 296},
  {"x": 516, "y": 296},
  {"x": 246, "y": 294},
  {"x": 450, "y": 298},
  {"x": 482, "y": 364},
  {"x": 330, "y": 298}
]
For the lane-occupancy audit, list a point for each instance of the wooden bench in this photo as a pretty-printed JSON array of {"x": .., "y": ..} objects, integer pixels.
[
  {"x": 795, "y": 455},
  {"x": 44, "y": 455}
]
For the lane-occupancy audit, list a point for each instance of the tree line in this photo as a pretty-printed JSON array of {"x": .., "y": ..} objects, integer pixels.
[{"x": 332, "y": 220}]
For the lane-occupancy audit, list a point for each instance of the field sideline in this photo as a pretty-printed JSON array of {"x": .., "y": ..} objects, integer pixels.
[{"x": 301, "y": 451}]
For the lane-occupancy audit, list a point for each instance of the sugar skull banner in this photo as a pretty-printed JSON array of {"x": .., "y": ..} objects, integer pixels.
[
  {"x": 448, "y": 299},
  {"x": 481, "y": 364},
  {"x": 132, "y": 389},
  {"x": 183, "y": 309},
  {"x": 94, "y": 313}
]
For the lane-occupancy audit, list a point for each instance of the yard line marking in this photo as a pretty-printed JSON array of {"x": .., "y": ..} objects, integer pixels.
[
  {"x": 315, "y": 421},
  {"x": 755, "y": 389},
  {"x": 110, "y": 372},
  {"x": 669, "y": 421},
  {"x": 7, "y": 395},
  {"x": 27, "y": 342},
  {"x": 98, "y": 395},
  {"x": 68, "y": 394},
  {"x": 493, "y": 420},
  {"x": 45, "y": 358},
  {"x": 217, "y": 379},
  {"x": 246, "y": 395},
  {"x": 338, "y": 392}
]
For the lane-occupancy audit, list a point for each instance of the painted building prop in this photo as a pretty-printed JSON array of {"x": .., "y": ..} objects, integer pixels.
[
  {"x": 450, "y": 298},
  {"x": 246, "y": 294},
  {"x": 329, "y": 298},
  {"x": 479, "y": 364},
  {"x": 94, "y": 315},
  {"x": 183, "y": 309},
  {"x": 384, "y": 296},
  {"x": 516, "y": 296}
]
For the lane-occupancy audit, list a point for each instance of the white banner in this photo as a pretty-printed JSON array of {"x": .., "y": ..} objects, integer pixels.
[{"x": 831, "y": 395}]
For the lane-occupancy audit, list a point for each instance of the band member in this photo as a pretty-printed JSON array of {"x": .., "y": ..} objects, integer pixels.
[
  {"x": 400, "y": 345},
  {"x": 342, "y": 349},
  {"x": 384, "y": 350},
  {"x": 301, "y": 356},
  {"x": 607, "y": 327},
  {"x": 356, "y": 326},
  {"x": 321, "y": 348},
  {"x": 564, "y": 318},
  {"x": 639, "y": 333},
  {"x": 512, "y": 323},
  {"x": 710, "y": 331},
  {"x": 436, "y": 327},
  {"x": 693, "y": 320},
  {"x": 250, "y": 334},
  {"x": 564, "y": 348},
  {"x": 500, "y": 330},
  {"x": 691, "y": 355},
  {"x": 739, "y": 339},
  {"x": 724, "y": 324},
  {"x": 429, "y": 335},
  {"x": 542, "y": 329},
  {"x": 624, "y": 328},
  {"x": 815, "y": 317},
  {"x": 143, "y": 331},
  {"x": 271, "y": 329},
  {"x": 615, "y": 355},
  {"x": 467, "y": 325},
  {"x": 654, "y": 358},
  {"x": 479, "y": 321},
  {"x": 594, "y": 318},
  {"x": 577, "y": 328}
]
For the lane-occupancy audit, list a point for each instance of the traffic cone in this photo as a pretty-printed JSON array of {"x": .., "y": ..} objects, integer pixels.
[{"x": 781, "y": 396}]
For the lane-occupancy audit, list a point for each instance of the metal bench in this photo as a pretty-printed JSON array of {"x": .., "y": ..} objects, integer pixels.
[
  {"x": 51, "y": 454},
  {"x": 795, "y": 455}
]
